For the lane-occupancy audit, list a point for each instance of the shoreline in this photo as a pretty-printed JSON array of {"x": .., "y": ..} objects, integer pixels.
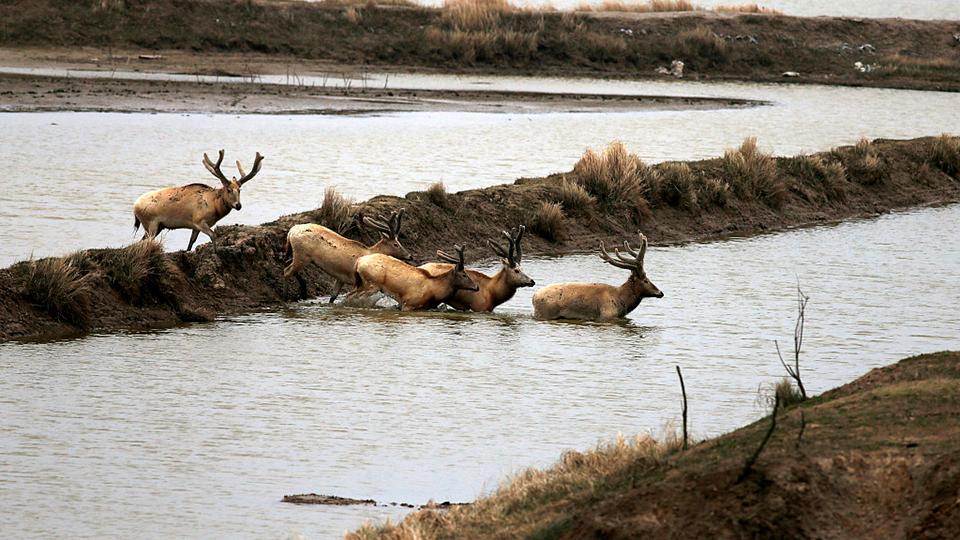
[{"x": 246, "y": 273}]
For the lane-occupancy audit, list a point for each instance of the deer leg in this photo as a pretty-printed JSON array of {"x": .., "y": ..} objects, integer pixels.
[
  {"x": 336, "y": 291},
  {"x": 303, "y": 286},
  {"x": 193, "y": 238},
  {"x": 205, "y": 229}
]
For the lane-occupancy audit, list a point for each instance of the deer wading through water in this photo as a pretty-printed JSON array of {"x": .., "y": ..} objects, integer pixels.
[
  {"x": 412, "y": 287},
  {"x": 598, "y": 301},
  {"x": 493, "y": 290},
  {"x": 194, "y": 206},
  {"x": 337, "y": 256}
]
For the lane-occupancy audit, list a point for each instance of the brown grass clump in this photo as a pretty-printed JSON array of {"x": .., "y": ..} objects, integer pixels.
[
  {"x": 437, "y": 194},
  {"x": 58, "y": 287},
  {"x": 653, "y": 6},
  {"x": 713, "y": 191},
  {"x": 944, "y": 154},
  {"x": 612, "y": 176},
  {"x": 753, "y": 174},
  {"x": 477, "y": 31},
  {"x": 574, "y": 199},
  {"x": 547, "y": 221},
  {"x": 700, "y": 47},
  {"x": 336, "y": 212},
  {"x": 748, "y": 8},
  {"x": 828, "y": 178},
  {"x": 140, "y": 272},
  {"x": 677, "y": 185},
  {"x": 788, "y": 393},
  {"x": 864, "y": 163}
]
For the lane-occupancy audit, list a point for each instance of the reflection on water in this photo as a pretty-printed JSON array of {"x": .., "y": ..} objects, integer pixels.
[
  {"x": 198, "y": 431},
  {"x": 71, "y": 178}
]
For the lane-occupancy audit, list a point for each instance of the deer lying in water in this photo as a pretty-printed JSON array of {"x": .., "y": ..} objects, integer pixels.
[
  {"x": 194, "y": 206},
  {"x": 597, "y": 301},
  {"x": 337, "y": 256},
  {"x": 494, "y": 290},
  {"x": 414, "y": 288}
]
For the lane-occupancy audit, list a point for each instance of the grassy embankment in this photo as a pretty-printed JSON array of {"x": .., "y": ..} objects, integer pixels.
[
  {"x": 876, "y": 458},
  {"x": 493, "y": 36},
  {"x": 607, "y": 196}
]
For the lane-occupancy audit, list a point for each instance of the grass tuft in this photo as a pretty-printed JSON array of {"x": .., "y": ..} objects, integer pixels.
[
  {"x": 140, "y": 272},
  {"x": 677, "y": 186},
  {"x": 547, "y": 221},
  {"x": 864, "y": 163},
  {"x": 612, "y": 176},
  {"x": 336, "y": 212},
  {"x": 437, "y": 194},
  {"x": 753, "y": 174},
  {"x": 574, "y": 199},
  {"x": 713, "y": 191},
  {"x": 788, "y": 393},
  {"x": 700, "y": 47},
  {"x": 828, "y": 178},
  {"x": 944, "y": 154},
  {"x": 59, "y": 287},
  {"x": 653, "y": 6},
  {"x": 748, "y": 8}
]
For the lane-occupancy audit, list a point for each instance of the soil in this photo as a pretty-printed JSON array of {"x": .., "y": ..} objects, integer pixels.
[
  {"x": 245, "y": 273},
  {"x": 876, "y": 458},
  {"x": 243, "y": 37}
]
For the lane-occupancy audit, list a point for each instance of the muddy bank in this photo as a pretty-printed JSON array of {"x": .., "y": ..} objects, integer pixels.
[
  {"x": 244, "y": 37},
  {"x": 875, "y": 458},
  {"x": 333, "y": 500},
  {"x": 24, "y": 93},
  {"x": 741, "y": 194}
]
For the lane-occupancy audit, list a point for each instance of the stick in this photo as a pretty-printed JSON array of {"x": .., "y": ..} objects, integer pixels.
[
  {"x": 683, "y": 389},
  {"x": 766, "y": 438}
]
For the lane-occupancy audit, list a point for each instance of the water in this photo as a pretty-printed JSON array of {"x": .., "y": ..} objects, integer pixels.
[
  {"x": 71, "y": 178},
  {"x": 198, "y": 431}
]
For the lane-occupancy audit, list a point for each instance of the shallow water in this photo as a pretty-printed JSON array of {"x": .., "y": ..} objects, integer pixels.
[
  {"x": 71, "y": 178},
  {"x": 198, "y": 431}
]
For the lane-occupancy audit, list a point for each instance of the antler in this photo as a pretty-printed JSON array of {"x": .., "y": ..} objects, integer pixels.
[
  {"x": 447, "y": 258},
  {"x": 395, "y": 219},
  {"x": 513, "y": 254},
  {"x": 244, "y": 177},
  {"x": 389, "y": 226},
  {"x": 214, "y": 168},
  {"x": 632, "y": 260}
]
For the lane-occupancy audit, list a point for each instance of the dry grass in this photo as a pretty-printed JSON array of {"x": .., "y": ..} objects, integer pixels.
[
  {"x": 864, "y": 163},
  {"x": 577, "y": 479},
  {"x": 788, "y": 393},
  {"x": 574, "y": 199},
  {"x": 336, "y": 212},
  {"x": 140, "y": 272},
  {"x": 752, "y": 174},
  {"x": 59, "y": 287},
  {"x": 653, "y": 6},
  {"x": 700, "y": 47},
  {"x": 677, "y": 186},
  {"x": 827, "y": 178},
  {"x": 747, "y": 8},
  {"x": 713, "y": 191},
  {"x": 613, "y": 175},
  {"x": 474, "y": 15},
  {"x": 437, "y": 194},
  {"x": 547, "y": 221},
  {"x": 944, "y": 154}
]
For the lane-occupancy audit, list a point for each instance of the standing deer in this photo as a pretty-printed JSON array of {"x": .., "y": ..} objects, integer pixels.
[
  {"x": 412, "y": 287},
  {"x": 598, "y": 301},
  {"x": 194, "y": 206},
  {"x": 494, "y": 290},
  {"x": 337, "y": 256}
]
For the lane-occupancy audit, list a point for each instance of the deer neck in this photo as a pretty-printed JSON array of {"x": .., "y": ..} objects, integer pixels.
[
  {"x": 220, "y": 206},
  {"x": 629, "y": 295},
  {"x": 499, "y": 289}
]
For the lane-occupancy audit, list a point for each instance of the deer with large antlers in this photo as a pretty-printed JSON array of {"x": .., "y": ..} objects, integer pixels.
[
  {"x": 337, "y": 256},
  {"x": 598, "y": 301},
  {"x": 194, "y": 206},
  {"x": 493, "y": 290},
  {"x": 412, "y": 287}
]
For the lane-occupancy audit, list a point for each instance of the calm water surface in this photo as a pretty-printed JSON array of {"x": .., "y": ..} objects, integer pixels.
[
  {"x": 198, "y": 431},
  {"x": 71, "y": 178}
]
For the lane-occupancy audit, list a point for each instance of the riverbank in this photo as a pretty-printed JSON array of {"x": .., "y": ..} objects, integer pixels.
[
  {"x": 607, "y": 196},
  {"x": 873, "y": 458},
  {"x": 241, "y": 37}
]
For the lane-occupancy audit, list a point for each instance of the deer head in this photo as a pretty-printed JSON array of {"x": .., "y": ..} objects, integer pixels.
[
  {"x": 510, "y": 258},
  {"x": 633, "y": 260},
  {"x": 389, "y": 230},
  {"x": 231, "y": 188},
  {"x": 460, "y": 278}
]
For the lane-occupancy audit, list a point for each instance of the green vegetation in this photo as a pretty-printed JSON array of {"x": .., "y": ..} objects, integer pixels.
[{"x": 59, "y": 287}]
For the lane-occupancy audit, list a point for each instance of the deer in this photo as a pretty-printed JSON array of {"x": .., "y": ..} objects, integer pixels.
[
  {"x": 493, "y": 290},
  {"x": 194, "y": 206},
  {"x": 337, "y": 256},
  {"x": 412, "y": 287},
  {"x": 598, "y": 301}
]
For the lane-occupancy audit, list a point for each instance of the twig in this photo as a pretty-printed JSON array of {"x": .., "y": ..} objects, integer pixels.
[
  {"x": 794, "y": 370},
  {"x": 683, "y": 390},
  {"x": 803, "y": 426},
  {"x": 756, "y": 454}
]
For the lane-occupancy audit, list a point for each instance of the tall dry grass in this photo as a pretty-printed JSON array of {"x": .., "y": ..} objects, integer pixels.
[
  {"x": 677, "y": 185},
  {"x": 944, "y": 154},
  {"x": 701, "y": 47},
  {"x": 653, "y": 6},
  {"x": 864, "y": 163},
  {"x": 748, "y": 8},
  {"x": 752, "y": 174},
  {"x": 613, "y": 175},
  {"x": 437, "y": 194},
  {"x": 547, "y": 221},
  {"x": 574, "y": 199},
  {"x": 140, "y": 272},
  {"x": 827, "y": 178},
  {"x": 58, "y": 287},
  {"x": 477, "y": 30},
  {"x": 336, "y": 211}
]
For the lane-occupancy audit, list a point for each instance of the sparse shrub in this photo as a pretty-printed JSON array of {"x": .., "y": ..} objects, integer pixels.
[
  {"x": 59, "y": 288},
  {"x": 437, "y": 194},
  {"x": 677, "y": 186},
  {"x": 336, "y": 212},
  {"x": 140, "y": 272},
  {"x": 827, "y": 178},
  {"x": 788, "y": 393},
  {"x": 714, "y": 191},
  {"x": 700, "y": 47},
  {"x": 945, "y": 154},
  {"x": 748, "y": 8},
  {"x": 574, "y": 199},
  {"x": 83, "y": 262},
  {"x": 864, "y": 163},
  {"x": 548, "y": 221},
  {"x": 753, "y": 174},
  {"x": 612, "y": 176},
  {"x": 352, "y": 14},
  {"x": 636, "y": 7}
]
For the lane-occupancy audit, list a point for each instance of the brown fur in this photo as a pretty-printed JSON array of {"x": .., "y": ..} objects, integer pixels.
[
  {"x": 494, "y": 290},
  {"x": 414, "y": 288}
]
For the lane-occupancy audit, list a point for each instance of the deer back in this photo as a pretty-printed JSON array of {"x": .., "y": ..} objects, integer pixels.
[{"x": 333, "y": 253}]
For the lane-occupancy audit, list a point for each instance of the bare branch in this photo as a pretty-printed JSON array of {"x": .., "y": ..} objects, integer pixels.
[
  {"x": 766, "y": 438},
  {"x": 683, "y": 390}
]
